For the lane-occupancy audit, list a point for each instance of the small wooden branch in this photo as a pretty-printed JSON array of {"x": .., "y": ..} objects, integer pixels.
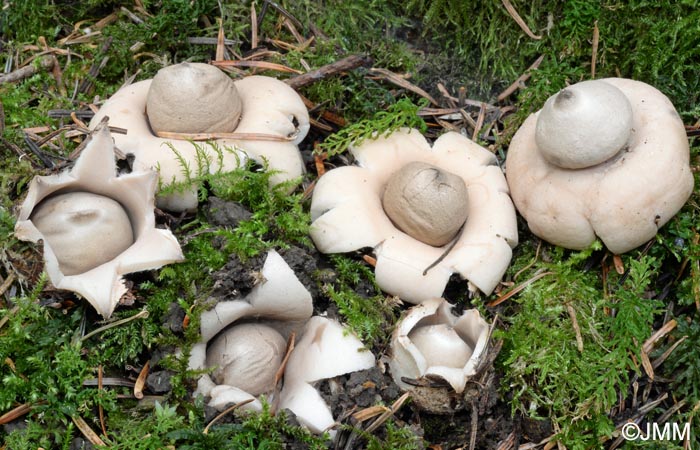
[
  {"x": 402, "y": 83},
  {"x": 521, "y": 79},
  {"x": 95, "y": 68},
  {"x": 45, "y": 160},
  {"x": 45, "y": 63},
  {"x": 345, "y": 64}
]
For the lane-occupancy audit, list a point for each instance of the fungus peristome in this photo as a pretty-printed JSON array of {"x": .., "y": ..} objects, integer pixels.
[
  {"x": 96, "y": 225},
  {"x": 431, "y": 343},
  {"x": 625, "y": 158},
  {"x": 348, "y": 214},
  {"x": 269, "y": 109}
]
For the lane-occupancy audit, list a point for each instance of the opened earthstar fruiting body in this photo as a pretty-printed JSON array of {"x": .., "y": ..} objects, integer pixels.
[
  {"x": 430, "y": 343},
  {"x": 257, "y": 116},
  {"x": 96, "y": 225},
  {"x": 427, "y": 212},
  {"x": 606, "y": 158},
  {"x": 244, "y": 341}
]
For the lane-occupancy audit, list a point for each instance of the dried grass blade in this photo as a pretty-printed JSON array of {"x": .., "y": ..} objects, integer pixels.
[
  {"x": 320, "y": 125},
  {"x": 291, "y": 342},
  {"x": 594, "y": 48},
  {"x": 369, "y": 413},
  {"x": 452, "y": 101},
  {"x": 479, "y": 122},
  {"x": 577, "y": 329},
  {"x": 517, "y": 289},
  {"x": 427, "y": 112},
  {"x": 223, "y": 413},
  {"x": 292, "y": 29},
  {"x": 257, "y": 65},
  {"x": 238, "y": 136},
  {"x": 287, "y": 46},
  {"x": 142, "y": 314},
  {"x": 290, "y": 347},
  {"x": 660, "y": 360},
  {"x": 660, "y": 333},
  {"x": 619, "y": 265},
  {"x": 87, "y": 431},
  {"x": 220, "y": 38},
  {"x": 401, "y": 82},
  {"x": 519, "y": 20},
  {"x": 253, "y": 26},
  {"x": 109, "y": 381},
  {"x": 77, "y": 121},
  {"x": 15, "y": 413},
  {"x": 7, "y": 283},
  {"x": 370, "y": 260},
  {"x": 318, "y": 163},
  {"x": 385, "y": 416},
  {"x": 141, "y": 380},
  {"x": 646, "y": 364}
]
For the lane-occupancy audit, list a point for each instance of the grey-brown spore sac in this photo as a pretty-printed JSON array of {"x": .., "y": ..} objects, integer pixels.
[{"x": 426, "y": 202}]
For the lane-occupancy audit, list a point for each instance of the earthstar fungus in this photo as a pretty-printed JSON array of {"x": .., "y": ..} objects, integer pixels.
[
  {"x": 257, "y": 116},
  {"x": 96, "y": 225},
  {"x": 603, "y": 157},
  {"x": 430, "y": 343},
  {"x": 244, "y": 340},
  {"x": 427, "y": 212}
]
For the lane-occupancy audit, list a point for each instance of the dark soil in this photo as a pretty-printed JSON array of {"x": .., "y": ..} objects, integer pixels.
[{"x": 353, "y": 392}]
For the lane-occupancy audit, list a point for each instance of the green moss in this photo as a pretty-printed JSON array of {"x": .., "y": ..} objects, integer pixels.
[
  {"x": 547, "y": 373},
  {"x": 485, "y": 37},
  {"x": 403, "y": 113}
]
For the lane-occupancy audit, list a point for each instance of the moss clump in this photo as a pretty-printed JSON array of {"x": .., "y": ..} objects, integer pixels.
[{"x": 648, "y": 41}]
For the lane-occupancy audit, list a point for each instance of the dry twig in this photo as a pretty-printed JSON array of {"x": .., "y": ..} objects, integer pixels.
[
  {"x": 517, "y": 84},
  {"x": 46, "y": 63},
  {"x": 343, "y": 65},
  {"x": 390, "y": 76}
]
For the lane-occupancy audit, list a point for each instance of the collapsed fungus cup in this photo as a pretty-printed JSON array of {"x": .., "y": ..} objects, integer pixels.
[
  {"x": 426, "y": 213},
  {"x": 96, "y": 225},
  {"x": 257, "y": 116},
  {"x": 244, "y": 343},
  {"x": 435, "y": 353},
  {"x": 603, "y": 157}
]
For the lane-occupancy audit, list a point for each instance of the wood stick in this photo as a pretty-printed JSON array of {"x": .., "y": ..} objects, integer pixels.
[
  {"x": 345, "y": 64},
  {"x": 95, "y": 68},
  {"x": 402, "y": 82},
  {"x": 45, "y": 63},
  {"x": 45, "y": 160},
  {"x": 521, "y": 79}
]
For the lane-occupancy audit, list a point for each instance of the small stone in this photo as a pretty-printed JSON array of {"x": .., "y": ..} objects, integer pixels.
[
  {"x": 225, "y": 213},
  {"x": 159, "y": 382}
]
